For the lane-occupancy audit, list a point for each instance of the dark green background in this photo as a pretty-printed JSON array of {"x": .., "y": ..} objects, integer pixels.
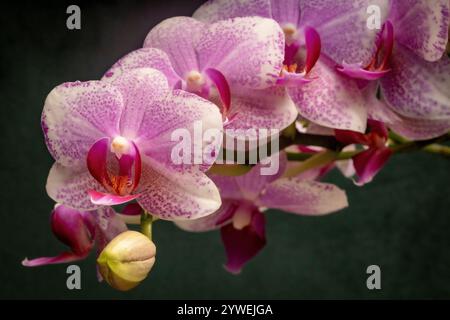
[{"x": 401, "y": 221}]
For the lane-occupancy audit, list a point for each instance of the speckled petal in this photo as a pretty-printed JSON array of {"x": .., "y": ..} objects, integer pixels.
[
  {"x": 303, "y": 197},
  {"x": 248, "y": 51},
  {"x": 177, "y": 195},
  {"x": 212, "y": 221},
  {"x": 75, "y": 115},
  {"x": 144, "y": 58},
  {"x": 188, "y": 112},
  {"x": 270, "y": 108},
  {"x": 420, "y": 129},
  {"x": 343, "y": 27},
  {"x": 178, "y": 37},
  {"x": 416, "y": 88},
  {"x": 70, "y": 187},
  {"x": 422, "y": 26},
  {"x": 332, "y": 100},
  {"x": 141, "y": 89},
  {"x": 215, "y": 10}
]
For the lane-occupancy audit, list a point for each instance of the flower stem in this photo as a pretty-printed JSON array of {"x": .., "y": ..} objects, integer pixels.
[
  {"x": 146, "y": 224},
  {"x": 438, "y": 149},
  {"x": 398, "y": 145}
]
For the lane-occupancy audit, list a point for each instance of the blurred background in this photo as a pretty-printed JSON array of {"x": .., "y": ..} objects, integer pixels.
[{"x": 400, "y": 222}]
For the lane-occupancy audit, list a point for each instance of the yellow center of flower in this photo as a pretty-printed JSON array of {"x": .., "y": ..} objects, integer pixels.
[
  {"x": 194, "y": 80},
  {"x": 120, "y": 146}
]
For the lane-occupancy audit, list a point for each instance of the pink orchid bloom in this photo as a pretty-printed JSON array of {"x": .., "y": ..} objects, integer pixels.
[
  {"x": 240, "y": 217},
  {"x": 370, "y": 161},
  {"x": 112, "y": 144},
  {"x": 80, "y": 230},
  {"x": 412, "y": 70},
  {"x": 321, "y": 94},
  {"x": 234, "y": 63}
]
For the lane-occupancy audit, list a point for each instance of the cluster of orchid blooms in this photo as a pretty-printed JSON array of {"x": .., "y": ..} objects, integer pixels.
[{"x": 340, "y": 93}]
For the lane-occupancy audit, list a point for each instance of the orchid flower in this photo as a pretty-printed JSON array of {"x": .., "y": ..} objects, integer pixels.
[
  {"x": 412, "y": 70},
  {"x": 370, "y": 161},
  {"x": 321, "y": 94},
  {"x": 234, "y": 63},
  {"x": 112, "y": 144},
  {"x": 240, "y": 217},
  {"x": 80, "y": 230}
]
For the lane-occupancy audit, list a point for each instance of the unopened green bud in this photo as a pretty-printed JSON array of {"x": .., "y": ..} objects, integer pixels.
[{"x": 127, "y": 260}]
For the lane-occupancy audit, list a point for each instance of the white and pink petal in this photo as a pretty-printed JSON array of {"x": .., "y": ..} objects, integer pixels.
[
  {"x": 177, "y": 195},
  {"x": 75, "y": 115},
  {"x": 416, "y": 88},
  {"x": 331, "y": 100},
  {"x": 70, "y": 187},
  {"x": 303, "y": 197},
  {"x": 144, "y": 58},
  {"x": 248, "y": 51}
]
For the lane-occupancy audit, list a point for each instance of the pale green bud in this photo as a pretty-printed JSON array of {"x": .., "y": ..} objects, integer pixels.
[{"x": 127, "y": 260}]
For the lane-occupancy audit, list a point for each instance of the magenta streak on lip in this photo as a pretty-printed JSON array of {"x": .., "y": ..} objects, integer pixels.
[
  {"x": 222, "y": 86},
  {"x": 376, "y": 68}
]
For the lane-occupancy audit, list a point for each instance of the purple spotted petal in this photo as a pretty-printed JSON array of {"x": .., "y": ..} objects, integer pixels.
[
  {"x": 410, "y": 128},
  {"x": 77, "y": 114},
  {"x": 177, "y": 195},
  {"x": 144, "y": 58},
  {"x": 368, "y": 163},
  {"x": 212, "y": 221},
  {"x": 270, "y": 108},
  {"x": 215, "y": 10},
  {"x": 420, "y": 129},
  {"x": 178, "y": 37},
  {"x": 332, "y": 100},
  {"x": 422, "y": 26},
  {"x": 181, "y": 116},
  {"x": 286, "y": 11},
  {"x": 344, "y": 23},
  {"x": 242, "y": 245},
  {"x": 248, "y": 51},
  {"x": 417, "y": 89},
  {"x": 141, "y": 89},
  {"x": 70, "y": 187},
  {"x": 303, "y": 196}
]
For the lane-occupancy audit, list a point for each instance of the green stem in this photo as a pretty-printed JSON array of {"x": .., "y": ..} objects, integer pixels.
[
  {"x": 317, "y": 160},
  {"x": 438, "y": 149},
  {"x": 400, "y": 145},
  {"x": 146, "y": 224},
  {"x": 284, "y": 141}
]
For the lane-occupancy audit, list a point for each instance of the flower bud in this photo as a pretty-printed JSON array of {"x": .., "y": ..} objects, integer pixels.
[{"x": 127, "y": 260}]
